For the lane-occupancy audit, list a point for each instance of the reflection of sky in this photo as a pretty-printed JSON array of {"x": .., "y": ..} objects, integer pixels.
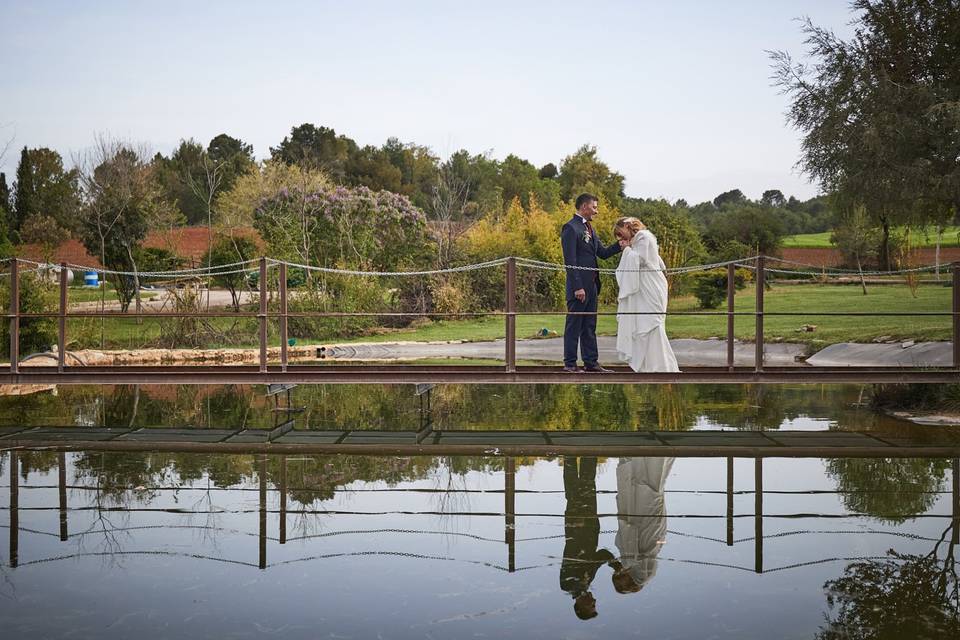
[{"x": 406, "y": 561}]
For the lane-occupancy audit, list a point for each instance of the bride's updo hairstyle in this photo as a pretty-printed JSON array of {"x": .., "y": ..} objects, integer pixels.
[{"x": 633, "y": 224}]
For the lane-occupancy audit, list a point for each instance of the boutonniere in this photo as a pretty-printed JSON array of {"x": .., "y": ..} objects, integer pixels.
[{"x": 586, "y": 236}]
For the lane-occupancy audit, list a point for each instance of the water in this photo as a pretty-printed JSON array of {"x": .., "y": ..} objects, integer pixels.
[{"x": 160, "y": 544}]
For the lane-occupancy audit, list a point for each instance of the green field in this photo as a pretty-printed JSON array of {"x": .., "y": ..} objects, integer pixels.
[
  {"x": 951, "y": 238},
  {"x": 808, "y": 299}
]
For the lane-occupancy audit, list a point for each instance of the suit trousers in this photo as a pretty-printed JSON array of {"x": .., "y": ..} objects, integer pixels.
[{"x": 581, "y": 330}]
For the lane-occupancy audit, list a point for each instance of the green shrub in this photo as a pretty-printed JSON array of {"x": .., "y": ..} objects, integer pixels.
[
  {"x": 36, "y": 296},
  {"x": 710, "y": 287}
]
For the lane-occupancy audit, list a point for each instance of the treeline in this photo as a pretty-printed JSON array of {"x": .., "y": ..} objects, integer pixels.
[{"x": 323, "y": 200}]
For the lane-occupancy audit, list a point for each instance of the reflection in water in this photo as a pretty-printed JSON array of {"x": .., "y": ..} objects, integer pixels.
[
  {"x": 107, "y": 544},
  {"x": 581, "y": 557},
  {"x": 641, "y": 520}
]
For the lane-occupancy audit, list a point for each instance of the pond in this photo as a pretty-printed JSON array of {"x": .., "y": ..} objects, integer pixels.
[{"x": 163, "y": 544}]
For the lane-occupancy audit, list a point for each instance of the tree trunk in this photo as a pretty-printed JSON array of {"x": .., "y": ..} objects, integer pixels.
[
  {"x": 885, "y": 246},
  {"x": 136, "y": 283},
  {"x": 863, "y": 283}
]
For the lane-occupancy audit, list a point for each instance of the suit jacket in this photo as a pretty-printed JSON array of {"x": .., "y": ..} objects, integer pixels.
[{"x": 582, "y": 253}]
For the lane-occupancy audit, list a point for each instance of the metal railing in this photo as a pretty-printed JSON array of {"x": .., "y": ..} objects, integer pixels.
[{"x": 510, "y": 312}]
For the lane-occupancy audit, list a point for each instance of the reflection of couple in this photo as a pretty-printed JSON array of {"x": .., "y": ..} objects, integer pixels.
[
  {"x": 641, "y": 527},
  {"x": 641, "y": 339}
]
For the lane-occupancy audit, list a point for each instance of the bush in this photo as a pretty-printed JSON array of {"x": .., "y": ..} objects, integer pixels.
[
  {"x": 36, "y": 296},
  {"x": 710, "y": 287}
]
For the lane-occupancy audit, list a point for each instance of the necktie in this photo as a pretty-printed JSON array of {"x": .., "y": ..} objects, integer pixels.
[{"x": 589, "y": 228}]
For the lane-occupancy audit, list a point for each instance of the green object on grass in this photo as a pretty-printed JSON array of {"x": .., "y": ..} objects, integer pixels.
[{"x": 291, "y": 341}]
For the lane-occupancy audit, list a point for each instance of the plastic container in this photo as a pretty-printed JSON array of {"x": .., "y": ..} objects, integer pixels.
[{"x": 91, "y": 279}]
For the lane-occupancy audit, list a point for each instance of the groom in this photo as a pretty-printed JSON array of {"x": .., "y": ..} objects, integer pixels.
[{"x": 581, "y": 248}]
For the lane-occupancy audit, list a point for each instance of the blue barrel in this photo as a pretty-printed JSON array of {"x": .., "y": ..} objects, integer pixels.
[{"x": 90, "y": 279}]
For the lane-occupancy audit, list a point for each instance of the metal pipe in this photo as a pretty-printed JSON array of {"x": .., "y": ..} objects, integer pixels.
[
  {"x": 283, "y": 499},
  {"x": 510, "y": 510},
  {"x": 729, "y": 502},
  {"x": 758, "y": 514},
  {"x": 62, "y": 493},
  {"x": 731, "y": 285},
  {"x": 62, "y": 321},
  {"x": 14, "y": 506},
  {"x": 263, "y": 315},
  {"x": 510, "y": 318},
  {"x": 758, "y": 358},
  {"x": 14, "y": 317},
  {"x": 283, "y": 316},
  {"x": 263, "y": 511}
]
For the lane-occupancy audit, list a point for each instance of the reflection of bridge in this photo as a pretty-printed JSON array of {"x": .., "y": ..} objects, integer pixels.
[
  {"x": 279, "y": 369},
  {"x": 509, "y": 514}
]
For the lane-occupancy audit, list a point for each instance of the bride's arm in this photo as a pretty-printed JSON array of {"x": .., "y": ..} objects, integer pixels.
[{"x": 628, "y": 273}]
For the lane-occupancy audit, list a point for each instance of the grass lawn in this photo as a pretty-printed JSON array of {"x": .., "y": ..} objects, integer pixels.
[
  {"x": 85, "y": 294},
  {"x": 951, "y": 238},
  {"x": 786, "y": 298},
  {"x": 813, "y": 298}
]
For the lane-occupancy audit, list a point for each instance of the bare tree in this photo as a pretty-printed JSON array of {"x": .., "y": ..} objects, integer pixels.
[{"x": 447, "y": 203}]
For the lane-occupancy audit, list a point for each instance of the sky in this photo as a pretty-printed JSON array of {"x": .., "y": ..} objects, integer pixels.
[{"x": 676, "y": 95}]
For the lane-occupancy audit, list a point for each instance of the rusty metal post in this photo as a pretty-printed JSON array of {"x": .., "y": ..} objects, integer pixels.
[
  {"x": 263, "y": 315},
  {"x": 263, "y": 512},
  {"x": 511, "y": 318},
  {"x": 62, "y": 491},
  {"x": 758, "y": 515},
  {"x": 14, "y": 317},
  {"x": 283, "y": 499},
  {"x": 283, "y": 316},
  {"x": 14, "y": 506},
  {"x": 955, "y": 538},
  {"x": 729, "y": 502},
  {"x": 509, "y": 511},
  {"x": 956, "y": 315},
  {"x": 758, "y": 359},
  {"x": 62, "y": 320},
  {"x": 731, "y": 286}
]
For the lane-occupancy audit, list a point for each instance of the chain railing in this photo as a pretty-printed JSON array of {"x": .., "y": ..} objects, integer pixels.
[{"x": 263, "y": 315}]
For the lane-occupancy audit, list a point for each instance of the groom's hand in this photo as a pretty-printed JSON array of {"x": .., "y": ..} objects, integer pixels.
[{"x": 580, "y": 294}]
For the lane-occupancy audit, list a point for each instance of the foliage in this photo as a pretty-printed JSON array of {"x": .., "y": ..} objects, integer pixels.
[
  {"x": 230, "y": 250},
  {"x": 317, "y": 148},
  {"x": 43, "y": 187},
  {"x": 677, "y": 236},
  {"x": 879, "y": 112},
  {"x": 43, "y": 230},
  {"x": 857, "y": 238},
  {"x": 583, "y": 171},
  {"x": 710, "y": 287},
  {"x": 36, "y": 296},
  {"x": 749, "y": 224}
]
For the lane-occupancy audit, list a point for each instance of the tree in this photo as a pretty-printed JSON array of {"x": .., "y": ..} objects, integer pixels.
[
  {"x": 857, "y": 239},
  {"x": 230, "y": 250},
  {"x": 880, "y": 113},
  {"x": 732, "y": 197},
  {"x": 122, "y": 201},
  {"x": 584, "y": 171},
  {"x": 314, "y": 147},
  {"x": 549, "y": 171},
  {"x": 43, "y": 230},
  {"x": 773, "y": 198},
  {"x": 233, "y": 156},
  {"x": 178, "y": 174},
  {"x": 43, "y": 187},
  {"x": 6, "y": 207},
  {"x": 371, "y": 167},
  {"x": 748, "y": 224}
]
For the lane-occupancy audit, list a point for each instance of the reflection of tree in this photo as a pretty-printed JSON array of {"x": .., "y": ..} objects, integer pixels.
[
  {"x": 890, "y": 489},
  {"x": 901, "y": 596}
]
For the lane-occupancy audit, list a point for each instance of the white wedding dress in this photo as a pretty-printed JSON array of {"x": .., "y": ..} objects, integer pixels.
[
  {"x": 641, "y": 339},
  {"x": 641, "y": 515}
]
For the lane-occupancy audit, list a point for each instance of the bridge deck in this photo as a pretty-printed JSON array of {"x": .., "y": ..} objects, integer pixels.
[
  {"x": 461, "y": 374},
  {"x": 283, "y": 439}
]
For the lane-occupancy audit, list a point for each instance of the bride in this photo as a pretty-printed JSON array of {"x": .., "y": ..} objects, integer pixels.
[{"x": 641, "y": 339}]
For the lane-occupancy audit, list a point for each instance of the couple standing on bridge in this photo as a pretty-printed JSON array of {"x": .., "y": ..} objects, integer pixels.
[{"x": 641, "y": 301}]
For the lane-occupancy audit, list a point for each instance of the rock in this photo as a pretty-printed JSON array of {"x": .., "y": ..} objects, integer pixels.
[
  {"x": 880, "y": 339},
  {"x": 808, "y": 328},
  {"x": 906, "y": 344}
]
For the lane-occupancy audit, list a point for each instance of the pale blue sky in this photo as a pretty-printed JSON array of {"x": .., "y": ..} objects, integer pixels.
[{"x": 675, "y": 95}]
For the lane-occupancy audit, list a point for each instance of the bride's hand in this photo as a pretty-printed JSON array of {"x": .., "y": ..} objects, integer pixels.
[{"x": 623, "y": 243}]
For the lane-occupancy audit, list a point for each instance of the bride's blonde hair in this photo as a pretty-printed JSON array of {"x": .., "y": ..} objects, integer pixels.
[{"x": 631, "y": 223}]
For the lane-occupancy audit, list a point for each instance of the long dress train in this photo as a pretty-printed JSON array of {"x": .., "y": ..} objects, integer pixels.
[{"x": 641, "y": 339}]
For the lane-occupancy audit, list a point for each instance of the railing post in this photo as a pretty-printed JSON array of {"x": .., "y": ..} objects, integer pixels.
[
  {"x": 62, "y": 494},
  {"x": 14, "y": 460},
  {"x": 62, "y": 320},
  {"x": 283, "y": 316},
  {"x": 729, "y": 502},
  {"x": 511, "y": 319},
  {"x": 14, "y": 317},
  {"x": 263, "y": 315},
  {"x": 956, "y": 315},
  {"x": 509, "y": 511},
  {"x": 263, "y": 512},
  {"x": 758, "y": 514},
  {"x": 283, "y": 499},
  {"x": 731, "y": 285},
  {"x": 758, "y": 359}
]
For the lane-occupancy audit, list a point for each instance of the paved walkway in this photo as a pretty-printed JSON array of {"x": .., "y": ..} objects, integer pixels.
[{"x": 689, "y": 352}]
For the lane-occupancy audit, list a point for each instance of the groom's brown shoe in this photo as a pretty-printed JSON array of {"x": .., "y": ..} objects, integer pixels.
[{"x": 596, "y": 368}]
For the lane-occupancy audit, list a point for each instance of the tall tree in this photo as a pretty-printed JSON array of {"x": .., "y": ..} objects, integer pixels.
[
  {"x": 584, "y": 171},
  {"x": 233, "y": 156},
  {"x": 6, "y": 206},
  {"x": 315, "y": 147},
  {"x": 45, "y": 188},
  {"x": 880, "y": 112},
  {"x": 732, "y": 197}
]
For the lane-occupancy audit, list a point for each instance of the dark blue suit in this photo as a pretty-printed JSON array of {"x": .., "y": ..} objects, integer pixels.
[{"x": 580, "y": 252}]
